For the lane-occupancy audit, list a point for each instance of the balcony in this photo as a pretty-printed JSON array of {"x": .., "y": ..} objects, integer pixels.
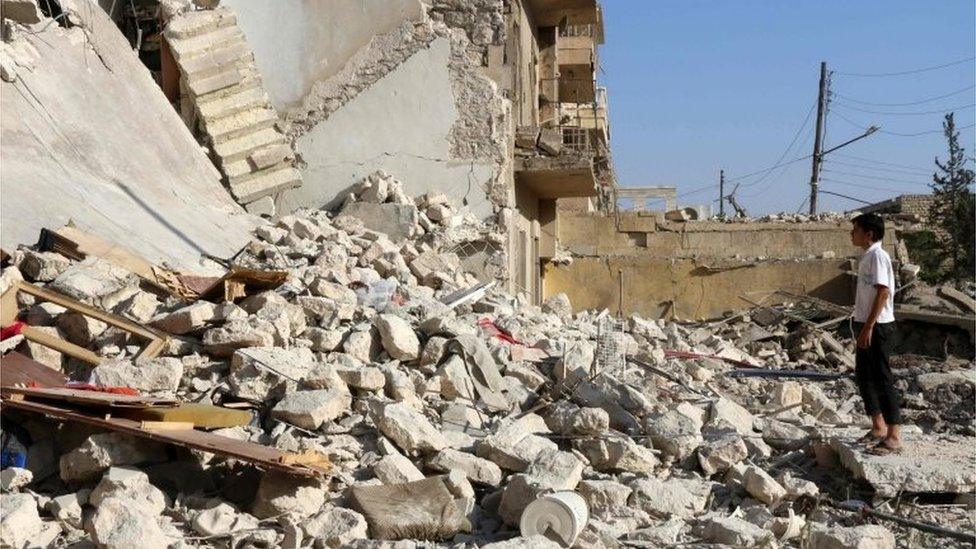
[{"x": 552, "y": 13}]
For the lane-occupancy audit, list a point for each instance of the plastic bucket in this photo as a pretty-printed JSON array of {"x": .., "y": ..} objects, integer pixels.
[{"x": 560, "y": 516}]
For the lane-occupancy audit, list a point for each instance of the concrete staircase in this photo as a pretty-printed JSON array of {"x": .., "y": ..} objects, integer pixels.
[{"x": 233, "y": 109}]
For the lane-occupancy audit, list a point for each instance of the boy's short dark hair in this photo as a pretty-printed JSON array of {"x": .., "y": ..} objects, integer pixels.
[{"x": 870, "y": 222}]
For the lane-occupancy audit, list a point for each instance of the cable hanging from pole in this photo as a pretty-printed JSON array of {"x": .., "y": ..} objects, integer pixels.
[
  {"x": 913, "y": 113},
  {"x": 902, "y": 73},
  {"x": 908, "y": 104},
  {"x": 888, "y": 132}
]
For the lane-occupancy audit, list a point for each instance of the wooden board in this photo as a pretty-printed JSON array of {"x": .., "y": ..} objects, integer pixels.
[
  {"x": 205, "y": 416},
  {"x": 154, "y": 339},
  {"x": 88, "y": 398},
  {"x": 17, "y": 369},
  {"x": 262, "y": 456},
  {"x": 240, "y": 282}
]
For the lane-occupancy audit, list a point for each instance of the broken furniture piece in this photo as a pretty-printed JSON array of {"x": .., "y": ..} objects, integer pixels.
[
  {"x": 262, "y": 456},
  {"x": 154, "y": 339},
  {"x": 239, "y": 283},
  {"x": 77, "y": 244}
]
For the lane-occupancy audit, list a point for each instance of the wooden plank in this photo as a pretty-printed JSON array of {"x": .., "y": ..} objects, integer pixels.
[
  {"x": 17, "y": 369},
  {"x": 41, "y": 337},
  {"x": 251, "y": 281},
  {"x": 263, "y": 456},
  {"x": 89, "y": 398},
  {"x": 155, "y": 340}
]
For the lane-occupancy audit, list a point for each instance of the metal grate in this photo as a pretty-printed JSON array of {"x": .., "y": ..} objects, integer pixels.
[{"x": 611, "y": 348}]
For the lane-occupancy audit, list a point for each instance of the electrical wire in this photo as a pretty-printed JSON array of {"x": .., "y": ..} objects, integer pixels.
[
  {"x": 913, "y": 113},
  {"x": 862, "y": 186},
  {"x": 862, "y": 159},
  {"x": 910, "y": 103},
  {"x": 789, "y": 147},
  {"x": 767, "y": 171},
  {"x": 845, "y": 196},
  {"x": 879, "y": 178},
  {"x": 887, "y": 132},
  {"x": 902, "y": 73},
  {"x": 914, "y": 171}
]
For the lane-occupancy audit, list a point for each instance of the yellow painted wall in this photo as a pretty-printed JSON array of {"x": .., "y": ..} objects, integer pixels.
[{"x": 688, "y": 289}]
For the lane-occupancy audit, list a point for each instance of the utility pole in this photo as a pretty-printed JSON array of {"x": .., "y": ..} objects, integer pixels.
[
  {"x": 721, "y": 194},
  {"x": 818, "y": 138}
]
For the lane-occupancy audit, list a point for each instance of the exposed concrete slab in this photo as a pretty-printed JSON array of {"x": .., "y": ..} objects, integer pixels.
[
  {"x": 303, "y": 46},
  {"x": 88, "y": 136},
  {"x": 401, "y": 124},
  {"x": 928, "y": 463}
]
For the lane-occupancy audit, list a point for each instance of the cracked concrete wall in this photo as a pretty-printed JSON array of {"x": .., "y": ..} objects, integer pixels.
[
  {"x": 300, "y": 42},
  {"x": 402, "y": 124},
  {"x": 89, "y": 137},
  {"x": 414, "y": 100}
]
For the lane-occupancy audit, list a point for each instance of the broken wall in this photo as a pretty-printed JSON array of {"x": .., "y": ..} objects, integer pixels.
[
  {"x": 414, "y": 99},
  {"x": 690, "y": 289},
  {"x": 637, "y": 233},
  {"x": 311, "y": 40},
  {"x": 696, "y": 270},
  {"x": 89, "y": 137}
]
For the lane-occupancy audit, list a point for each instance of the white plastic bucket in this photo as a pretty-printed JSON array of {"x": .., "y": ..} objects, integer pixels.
[{"x": 560, "y": 516}]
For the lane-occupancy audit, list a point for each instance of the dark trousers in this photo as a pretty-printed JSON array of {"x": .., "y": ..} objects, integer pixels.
[{"x": 873, "y": 373}]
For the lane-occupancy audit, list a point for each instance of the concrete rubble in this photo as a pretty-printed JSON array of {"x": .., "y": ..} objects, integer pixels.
[{"x": 439, "y": 430}]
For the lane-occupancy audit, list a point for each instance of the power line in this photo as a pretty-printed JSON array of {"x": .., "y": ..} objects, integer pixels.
[
  {"x": 901, "y": 73},
  {"x": 910, "y": 103},
  {"x": 912, "y": 113},
  {"x": 782, "y": 170},
  {"x": 789, "y": 147},
  {"x": 847, "y": 197},
  {"x": 871, "y": 160},
  {"x": 882, "y": 169},
  {"x": 863, "y": 127},
  {"x": 877, "y": 178},
  {"x": 863, "y": 186}
]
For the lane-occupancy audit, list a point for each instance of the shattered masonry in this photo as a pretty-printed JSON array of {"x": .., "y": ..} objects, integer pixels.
[{"x": 412, "y": 348}]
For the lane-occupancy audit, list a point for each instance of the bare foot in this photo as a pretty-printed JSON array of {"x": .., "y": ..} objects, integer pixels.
[
  {"x": 873, "y": 435},
  {"x": 886, "y": 446}
]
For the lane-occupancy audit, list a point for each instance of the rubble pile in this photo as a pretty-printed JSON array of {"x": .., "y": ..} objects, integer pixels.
[{"x": 444, "y": 405}]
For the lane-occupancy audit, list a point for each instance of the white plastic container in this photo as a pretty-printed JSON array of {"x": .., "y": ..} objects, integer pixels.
[{"x": 560, "y": 516}]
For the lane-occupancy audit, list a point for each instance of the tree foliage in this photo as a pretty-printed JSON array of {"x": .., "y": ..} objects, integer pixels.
[{"x": 954, "y": 207}]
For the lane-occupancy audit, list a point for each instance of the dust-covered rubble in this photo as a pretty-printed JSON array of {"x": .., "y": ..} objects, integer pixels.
[{"x": 443, "y": 424}]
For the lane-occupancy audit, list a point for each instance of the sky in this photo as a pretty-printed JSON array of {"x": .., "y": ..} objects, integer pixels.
[{"x": 696, "y": 86}]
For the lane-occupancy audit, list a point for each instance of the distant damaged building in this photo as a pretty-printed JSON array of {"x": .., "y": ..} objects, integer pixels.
[{"x": 493, "y": 103}]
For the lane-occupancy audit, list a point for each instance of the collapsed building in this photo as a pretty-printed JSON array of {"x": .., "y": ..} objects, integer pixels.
[{"x": 352, "y": 274}]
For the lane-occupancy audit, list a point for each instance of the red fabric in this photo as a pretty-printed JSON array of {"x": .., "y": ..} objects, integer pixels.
[
  {"x": 14, "y": 329},
  {"x": 82, "y": 386},
  {"x": 487, "y": 325}
]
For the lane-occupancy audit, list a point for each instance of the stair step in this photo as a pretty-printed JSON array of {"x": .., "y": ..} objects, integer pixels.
[
  {"x": 242, "y": 170},
  {"x": 266, "y": 183},
  {"x": 228, "y": 105},
  {"x": 215, "y": 61},
  {"x": 236, "y": 125},
  {"x": 199, "y": 45},
  {"x": 210, "y": 84},
  {"x": 249, "y": 78},
  {"x": 196, "y": 23},
  {"x": 239, "y": 148}
]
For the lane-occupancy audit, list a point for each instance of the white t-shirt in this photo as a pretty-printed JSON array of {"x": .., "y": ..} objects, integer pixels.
[{"x": 873, "y": 269}]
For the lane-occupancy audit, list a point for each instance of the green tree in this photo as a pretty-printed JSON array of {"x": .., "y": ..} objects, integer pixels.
[{"x": 953, "y": 210}]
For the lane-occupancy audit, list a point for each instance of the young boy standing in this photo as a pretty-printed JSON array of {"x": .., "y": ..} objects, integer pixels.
[{"x": 874, "y": 327}]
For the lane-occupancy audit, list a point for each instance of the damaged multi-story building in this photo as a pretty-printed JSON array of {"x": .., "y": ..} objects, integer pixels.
[{"x": 493, "y": 103}]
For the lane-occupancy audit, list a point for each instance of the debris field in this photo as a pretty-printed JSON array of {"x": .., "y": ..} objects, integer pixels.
[{"x": 349, "y": 384}]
